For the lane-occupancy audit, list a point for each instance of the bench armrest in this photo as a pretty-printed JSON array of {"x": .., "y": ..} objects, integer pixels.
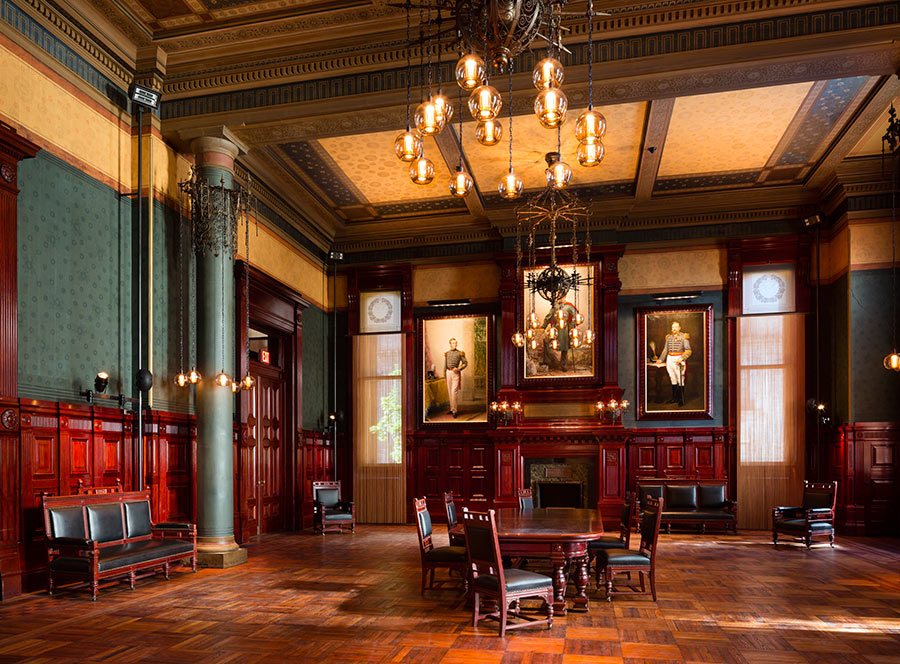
[
  {"x": 783, "y": 512},
  {"x": 346, "y": 505},
  {"x": 167, "y": 525},
  {"x": 820, "y": 514},
  {"x": 59, "y": 542}
]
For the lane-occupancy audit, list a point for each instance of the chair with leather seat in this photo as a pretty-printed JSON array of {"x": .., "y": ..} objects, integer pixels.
[
  {"x": 329, "y": 511},
  {"x": 454, "y": 527},
  {"x": 643, "y": 561},
  {"x": 814, "y": 519},
  {"x": 620, "y": 541},
  {"x": 505, "y": 586},
  {"x": 436, "y": 557},
  {"x": 526, "y": 499}
]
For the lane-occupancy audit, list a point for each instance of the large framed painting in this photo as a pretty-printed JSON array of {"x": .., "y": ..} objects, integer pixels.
[
  {"x": 674, "y": 362},
  {"x": 455, "y": 368},
  {"x": 550, "y": 353}
]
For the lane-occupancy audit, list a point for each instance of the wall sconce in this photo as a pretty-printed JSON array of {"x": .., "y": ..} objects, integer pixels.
[
  {"x": 101, "y": 382},
  {"x": 505, "y": 412},
  {"x": 610, "y": 412}
]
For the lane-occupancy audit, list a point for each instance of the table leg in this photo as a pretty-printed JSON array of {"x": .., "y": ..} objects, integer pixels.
[
  {"x": 581, "y": 602},
  {"x": 558, "y": 560}
]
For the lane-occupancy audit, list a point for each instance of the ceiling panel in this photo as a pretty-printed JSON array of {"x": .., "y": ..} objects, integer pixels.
[
  {"x": 871, "y": 142},
  {"x": 531, "y": 141},
  {"x": 369, "y": 163},
  {"x": 729, "y": 131}
]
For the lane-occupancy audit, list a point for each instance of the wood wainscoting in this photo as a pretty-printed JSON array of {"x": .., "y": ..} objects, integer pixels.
[
  {"x": 865, "y": 461},
  {"x": 49, "y": 447}
]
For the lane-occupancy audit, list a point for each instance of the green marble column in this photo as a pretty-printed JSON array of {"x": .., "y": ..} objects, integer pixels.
[{"x": 215, "y": 352}]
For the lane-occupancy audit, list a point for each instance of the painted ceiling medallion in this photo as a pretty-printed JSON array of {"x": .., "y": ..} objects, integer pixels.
[{"x": 380, "y": 310}]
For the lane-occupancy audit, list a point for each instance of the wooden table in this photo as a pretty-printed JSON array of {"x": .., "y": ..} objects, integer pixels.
[{"x": 560, "y": 534}]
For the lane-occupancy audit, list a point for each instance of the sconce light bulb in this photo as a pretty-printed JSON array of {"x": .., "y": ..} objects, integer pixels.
[
  {"x": 518, "y": 340},
  {"x": 182, "y": 380},
  {"x": 101, "y": 381},
  {"x": 248, "y": 382},
  {"x": 222, "y": 379},
  {"x": 892, "y": 361},
  {"x": 194, "y": 376},
  {"x": 235, "y": 386}
]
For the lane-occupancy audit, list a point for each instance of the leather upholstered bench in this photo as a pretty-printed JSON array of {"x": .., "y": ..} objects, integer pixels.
[
  {"x": 691, "y": 502},
  {"x": 96, "y": 537}
]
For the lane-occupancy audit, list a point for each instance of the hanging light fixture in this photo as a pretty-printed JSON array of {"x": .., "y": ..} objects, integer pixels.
[
  {"x": 461, "y": 183},
  {"x": 422, "y": 171},
  {"x": 247, "y": 382},
  {"x": 181, "y": 378},
  {"x": 489, "y": 132},
  {"x": 891, "y": 141},
  {"x": 469, "y": 72},
  {"x": 408, "y": 145},
  {"x": 511, "y": 185},
  {"x": 590, "y": 128}
]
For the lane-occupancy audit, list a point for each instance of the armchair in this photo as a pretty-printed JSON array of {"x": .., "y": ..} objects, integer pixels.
[
  {"x": 526, "y": 499},
  {"x": 329, "y": 511},
  {"x": 454, "y": 527},
  {"x": 814, "y": 519}
]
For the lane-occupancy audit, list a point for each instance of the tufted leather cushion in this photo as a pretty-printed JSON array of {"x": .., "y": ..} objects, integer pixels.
[
  {"x": 328, "y": 497},
  {"x": 516, "y": 580},
  {"x": 137, "y": 518},
  {"x": 105, "y": 522},
  {"x": 67, "y": 522},
  {"x": 446, "y": 554},
  {"x": 122, "y": 555},
  {"x": 337, "y": 515},
  {"x": 711, "y": 496},
  {"x": 622, "y": 557},
  {"x": 801, "y": 525},
  {"x": 813, "y": 499},
  {"x": 606, "y": 543},
  {"x": 681, "y": 497}
]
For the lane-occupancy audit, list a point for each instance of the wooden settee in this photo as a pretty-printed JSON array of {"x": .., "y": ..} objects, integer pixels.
[
  {"x": 690, "y": 502},
  {"x": 97, "y": 536}
]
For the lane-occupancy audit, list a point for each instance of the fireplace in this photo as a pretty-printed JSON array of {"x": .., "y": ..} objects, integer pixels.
[
  {"x": 562, "y": 481},
  {"x": 559, "y": 494}
]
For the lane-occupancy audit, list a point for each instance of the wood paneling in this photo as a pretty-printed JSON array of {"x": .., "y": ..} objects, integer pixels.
[
  {"x": 316, "y": 464},
  {"x": 695, "y": 453},
  {"x": 462, "y": 465},
  {"x": 865, "y": 460}
]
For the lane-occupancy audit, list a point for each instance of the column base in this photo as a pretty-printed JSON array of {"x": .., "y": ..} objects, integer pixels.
[{"x": 219, "y": 552}]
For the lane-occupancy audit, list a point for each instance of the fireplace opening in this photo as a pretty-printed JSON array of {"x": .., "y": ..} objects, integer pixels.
[{"x": 559, "y": 494}]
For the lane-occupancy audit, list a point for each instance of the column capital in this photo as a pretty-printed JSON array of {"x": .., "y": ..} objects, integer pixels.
[{"x": 213, "y": 146}]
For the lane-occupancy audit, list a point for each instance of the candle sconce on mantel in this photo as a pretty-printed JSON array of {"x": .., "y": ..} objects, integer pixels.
[
  {"x": 505, "y": 411},
  {"x": 610, "y": 412}
]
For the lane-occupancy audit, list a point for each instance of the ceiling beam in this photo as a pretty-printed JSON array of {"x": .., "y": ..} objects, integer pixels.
[{"x": 658, "y": 118}]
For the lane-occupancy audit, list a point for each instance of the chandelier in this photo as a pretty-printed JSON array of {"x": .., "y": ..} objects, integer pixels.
[
  {"x": 488, "y": 35},
  {"x": 552, "y": 212}
]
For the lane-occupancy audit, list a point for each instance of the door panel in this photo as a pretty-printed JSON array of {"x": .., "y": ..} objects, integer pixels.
[{"x": 270, "y": 457}]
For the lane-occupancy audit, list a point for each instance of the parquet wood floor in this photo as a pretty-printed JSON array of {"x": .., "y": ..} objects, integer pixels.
[{"x": 355, "y": 598}]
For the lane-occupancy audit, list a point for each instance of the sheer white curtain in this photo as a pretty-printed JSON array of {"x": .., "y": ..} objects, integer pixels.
[
  {"x": 770, "y": 416},
  {"x": 379, "y": 480}
]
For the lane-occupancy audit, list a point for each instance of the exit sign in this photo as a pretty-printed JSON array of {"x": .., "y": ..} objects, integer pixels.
[{"x": 265, "y": 356}]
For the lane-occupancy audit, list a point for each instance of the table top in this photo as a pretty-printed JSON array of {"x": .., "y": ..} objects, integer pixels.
[{"x": 551, "y": 524}]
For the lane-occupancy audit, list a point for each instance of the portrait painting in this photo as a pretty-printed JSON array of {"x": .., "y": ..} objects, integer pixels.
[
  {"x": 674, "y": 358},
  {"x": 559, "y": 341},
  {"x": 454, "y": 369}
]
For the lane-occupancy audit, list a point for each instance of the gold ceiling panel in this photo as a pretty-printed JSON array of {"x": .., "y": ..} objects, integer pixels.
[
  {"x": 729, "y": 131},
  {"x": 368, "y": 161},
  {"x": 531, "y": 141}
]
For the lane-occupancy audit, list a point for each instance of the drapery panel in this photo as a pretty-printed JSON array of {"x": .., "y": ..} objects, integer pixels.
[
  {"x": 379, "y": 480},
  {"x": 771, "y": 416}
]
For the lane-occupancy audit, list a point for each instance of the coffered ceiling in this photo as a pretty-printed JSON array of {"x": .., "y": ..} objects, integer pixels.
[{"x": 716, "y": 111}]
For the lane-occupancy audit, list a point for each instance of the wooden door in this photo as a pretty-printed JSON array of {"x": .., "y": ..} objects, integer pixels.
[{"x": 269, "y": 411}]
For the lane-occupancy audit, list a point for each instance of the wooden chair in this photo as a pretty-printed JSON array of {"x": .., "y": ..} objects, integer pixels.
[
  {"x": 454, "y": 527},
  {"x": 814, "y": 519},
  {"x": 329, "y": 511},
  {"x": 489, "y": 579},
  {"x": 444, "y": 557},
  {"x": 614, "y": 561},
  {"x": 620, "y": 541},
  {"x": 526, "y": 500}
]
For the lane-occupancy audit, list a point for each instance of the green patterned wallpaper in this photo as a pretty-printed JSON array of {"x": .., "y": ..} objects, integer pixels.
[
  {"x": 876, "y": 391},
  {"x": 316, "y": 367}
]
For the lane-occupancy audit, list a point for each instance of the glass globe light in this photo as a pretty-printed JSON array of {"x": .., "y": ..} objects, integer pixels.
[
  {"x": 485, "y": 103},
  {"x": 428, "y": 121},
  {"x": 892, "y": 361},
  {"x": 550, "y": 107},
  {"x": 222, "y": 379},
  {"x": 561, "y": 319},
  {"x": 590, "y": 126},
  {"x": 461, "y": 183},
  {"x": 589, "y": 337},
  {"x": 421, "y": 171},
  {"x": 518, "y": 340},
  {"x": 548, "y": 73},
  {"x": 590, "y": 154},
  {"x": 533, "y": 320},
  {"x": 444, "y": 108},
  {"x": 194, "y": 376},
  {"x": 182, "y": 380},
  {"x": 558, "y": 175},
  {"x": 553, "y": 333},
  {"x": 469, "y": 71},
  {"x": 574, "y": 334},
  {"x": 529, "y": 333},
  {"x": 511, "y": 186},
  {"x": 408, "y": 146},
  {"x": 235, "y": 386},
  {"x": 579, "y": 319},
  {"x": 488, "y": 132},
  {"x": 554, "y": 344},
  {"x": 248, "y": 382},
  {"x": 576, "y": 342},
  {"x": 533, "y": 344}
]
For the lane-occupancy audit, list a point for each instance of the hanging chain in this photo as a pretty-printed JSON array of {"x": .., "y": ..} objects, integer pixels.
[
  {"x": 510, "y": 88},
  {"x": 460, "y": 137},
  {"x": 408, "y": 70},
  {"x": 181, "y": 306},
  {"x": 590, "y": 55}
]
